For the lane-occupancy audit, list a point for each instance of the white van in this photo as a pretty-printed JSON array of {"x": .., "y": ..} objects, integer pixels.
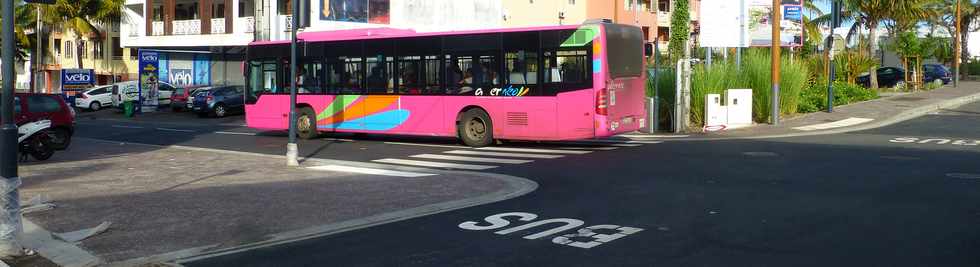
[{"x": 127, "y": 91}]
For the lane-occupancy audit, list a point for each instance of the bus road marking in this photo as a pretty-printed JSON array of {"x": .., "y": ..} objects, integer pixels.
[
  {"x": 237, "y": 133},
  {"x": 175, "y": 130},
  {"x": 435, "y": 164},
  {"x": 533, "y": 150},
  {"x": 473, "y": 159},
  {"x": 502, "y": 154},
  {"x": 562, "y": 231},
  {"x": 128, "y": 127},
  {"x": 338, "y": 168}
]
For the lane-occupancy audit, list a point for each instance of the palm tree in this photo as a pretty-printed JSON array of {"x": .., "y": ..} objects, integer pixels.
[
  {"x": 24, "y": 18},
  {"x": 84, "y": 18},
  {"x": 969, "y": 14}
]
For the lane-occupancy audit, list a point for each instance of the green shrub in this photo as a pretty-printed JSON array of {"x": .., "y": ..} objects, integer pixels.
[{"x": 814, "y": 97}]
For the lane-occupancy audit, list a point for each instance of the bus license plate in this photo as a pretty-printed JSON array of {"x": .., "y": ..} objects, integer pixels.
[{"x": 627, "y": 120}]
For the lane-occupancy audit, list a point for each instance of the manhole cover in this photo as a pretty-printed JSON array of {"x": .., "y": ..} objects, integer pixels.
[
  {"x": 760, "y": 154},
  {"x": 970, "y": 176},
  {"x": 907, "y": 98}
]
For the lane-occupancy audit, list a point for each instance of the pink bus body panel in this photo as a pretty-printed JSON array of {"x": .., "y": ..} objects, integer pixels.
[{"x": 567, "y": 116}]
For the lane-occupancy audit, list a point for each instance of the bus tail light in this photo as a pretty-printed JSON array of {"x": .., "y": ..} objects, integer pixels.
[{"x": 602, "y": 102}]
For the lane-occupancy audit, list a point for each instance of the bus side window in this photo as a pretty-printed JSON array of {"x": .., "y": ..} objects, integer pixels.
[
  {"x": 310, "y": 80},
  {"x": 344, "y": 75},
  {"x": 379, "y": 56},
  {"x": 567, "y": 64},
  {"x": 472, "y": 64},
  {"x": 521, "y": 62}
]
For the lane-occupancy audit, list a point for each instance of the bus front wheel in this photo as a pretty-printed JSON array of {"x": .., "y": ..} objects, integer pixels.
[
  {"x": 306, "y": 124},
  {"x": 475, "y": 128}
]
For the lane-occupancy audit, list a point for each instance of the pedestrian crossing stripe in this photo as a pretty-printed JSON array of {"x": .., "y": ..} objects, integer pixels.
[
  {"x": 433, "y": 164},
  {"x": 338, "y": 168},
  {"x": 472, "y": 159}
]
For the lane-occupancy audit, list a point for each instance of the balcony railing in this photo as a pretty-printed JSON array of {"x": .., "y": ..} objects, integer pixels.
[
  {"x": 218, "y": 26},
  {"x": 187, "y": 27},
  {"x": 245, "y": 25},
  {"x": 157, "y": 28},
  {"x": 286, "y": 22}
]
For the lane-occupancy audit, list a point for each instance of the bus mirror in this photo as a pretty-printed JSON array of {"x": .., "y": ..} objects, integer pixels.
[{"x": 648, "y": 49}]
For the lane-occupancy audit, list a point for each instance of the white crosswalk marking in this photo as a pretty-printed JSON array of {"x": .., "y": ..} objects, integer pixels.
[
  {"x": 339, "y": 168},
  {"x": 590, "y": 148},
  {"x": 533, "y": 150},
  {"x": 435, "y": 164},
  {"x": 472, "y": 159},
  {"x": 503, "y": 154}
]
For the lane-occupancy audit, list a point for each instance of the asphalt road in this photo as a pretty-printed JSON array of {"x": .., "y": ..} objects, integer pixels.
[{"x": 903, "y": 195}]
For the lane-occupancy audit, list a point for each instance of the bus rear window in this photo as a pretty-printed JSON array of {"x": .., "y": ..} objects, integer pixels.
[{"x": 624, "y": 50}]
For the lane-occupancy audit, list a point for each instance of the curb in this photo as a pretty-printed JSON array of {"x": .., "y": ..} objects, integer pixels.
[
  {"x": 516, "y": 186},
  {"x": 900, "y": 117}
]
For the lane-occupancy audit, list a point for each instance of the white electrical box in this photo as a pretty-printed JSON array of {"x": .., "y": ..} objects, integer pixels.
[
  {"x": 715, "y": 113},
  {"x": 739, "y": 107}
]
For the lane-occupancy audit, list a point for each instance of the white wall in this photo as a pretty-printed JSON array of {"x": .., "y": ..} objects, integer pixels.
[{"x": 420, "y": 15}]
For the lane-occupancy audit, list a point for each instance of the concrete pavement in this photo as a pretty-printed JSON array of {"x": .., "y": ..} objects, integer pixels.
[
  {"x": 166, "y": 203},
  {"x": 880, "y": 112}
]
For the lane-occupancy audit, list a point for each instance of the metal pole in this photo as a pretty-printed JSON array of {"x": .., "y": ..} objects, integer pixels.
[
  {"x": 832, "y": 68},
  {"x": 956, "y": 54},
  {"x": 10, "y": 215},
  {"x": 656, "y": 86},
  {"x": 776, "y": 43},
  {"x": 707, "y": 57},
  {"x": 35, "y": 83},
  {"x": 291, "y": 150}
]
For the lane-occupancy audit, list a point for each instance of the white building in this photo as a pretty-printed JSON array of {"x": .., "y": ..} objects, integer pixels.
[{"x": 205, "y": 39}]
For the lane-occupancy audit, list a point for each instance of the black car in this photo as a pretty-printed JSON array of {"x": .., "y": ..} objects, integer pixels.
[{"x": 887, "y": 77}]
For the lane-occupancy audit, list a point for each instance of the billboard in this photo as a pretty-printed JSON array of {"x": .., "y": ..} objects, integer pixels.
[
  {"x": 363, "y": 11},
  {"x": 149, "y": 78},
  {"x": 74, "y": 81},
  {"x": 723, "y": 23},
  {"x": 760, "y": 23}
]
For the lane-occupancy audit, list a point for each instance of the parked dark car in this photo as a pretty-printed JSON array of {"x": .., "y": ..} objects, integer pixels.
[
  {"x": 219, "y": 101},
  {"x": 180, "y": 98},
  {"x": 35, "y": 107},
  {"x": 936, "y": 72},
  {"x": 887, "y": 77}
]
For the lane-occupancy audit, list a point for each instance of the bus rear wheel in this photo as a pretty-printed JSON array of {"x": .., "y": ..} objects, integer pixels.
[
  {"x": 306, "y": 124},
  {"x": 475, "y": 128}
]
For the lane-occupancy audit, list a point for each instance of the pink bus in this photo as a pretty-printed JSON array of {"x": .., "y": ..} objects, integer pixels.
[{"x": 546, "y": 83}]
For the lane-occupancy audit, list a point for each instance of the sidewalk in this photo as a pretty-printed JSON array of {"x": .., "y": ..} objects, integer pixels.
[
  {"x": 167, "y": 203},
  {"x": 853, "y": 117}
]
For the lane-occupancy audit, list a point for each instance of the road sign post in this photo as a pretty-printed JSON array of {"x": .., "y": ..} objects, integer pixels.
[{"x": 10, "y": 226}]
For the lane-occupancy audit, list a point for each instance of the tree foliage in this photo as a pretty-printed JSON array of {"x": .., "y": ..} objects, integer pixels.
[{"x": 680, "y": 23}]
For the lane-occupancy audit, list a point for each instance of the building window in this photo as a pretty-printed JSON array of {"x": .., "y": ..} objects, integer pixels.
[
  {"x": 663, "y": 5},
  {"x": 571, "y": 2},
  {"x": 133, "y": 54},
  {"x": 663, "y": 34},
  {"x": 82, "y": 49},
  {"x": 57, "y": 47},
  {"x": 218, "y": 11},
  {"x": 69, "y": 49},
  {"x": 186, "y": 12},
  {"x": 285, "y": 7},
  {"x": 628, "y": 5},
  {"x": 246, "y": 8},
  {"x": 97, "y": 49},
  {"x": 157, "y": 12},
  {"x": 117, "y": 51}
]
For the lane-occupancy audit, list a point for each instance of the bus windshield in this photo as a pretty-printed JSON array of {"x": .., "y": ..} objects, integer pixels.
[{"x": 625, "y": 50}]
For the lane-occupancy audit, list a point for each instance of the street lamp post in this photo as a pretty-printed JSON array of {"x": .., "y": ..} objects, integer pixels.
[
  {"x": 292, "y": 150},
  {"x": 956, "y": 53},
  {"x": 10, "y": 215}
]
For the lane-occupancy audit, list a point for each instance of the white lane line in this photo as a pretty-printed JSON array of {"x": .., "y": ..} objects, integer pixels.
[
  {"x": 502, "y": 154},
  {"x": 237, "y": 133},
  {"x": 175, "y": 130},
  {"x": 533, "y": 150},
  {"x": 338, "y": 168},
  {"x": 473, "y": 159},
  {"x": 435, "y": 164},
  {"x": 590, "y": 148},
  {"x": 836, "y": 124},
  {"x": 128, "y": 127},
  {"x": 339, "y": 139},
  {"x": 626, "y": 145},
  {"x": 652, "y": 136},
  {"x": 428, "y": 145}
]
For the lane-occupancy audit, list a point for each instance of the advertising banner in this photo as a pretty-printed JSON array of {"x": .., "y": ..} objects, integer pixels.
[
  {"x": 74, "y": 81},
  {"x": 364, "y": 11},
  {"x": 149, "y": 78},
  {"x": 202, "y": 69},
  {"x": 723, "y": 23},
  {"x": 760, "y": 23}
]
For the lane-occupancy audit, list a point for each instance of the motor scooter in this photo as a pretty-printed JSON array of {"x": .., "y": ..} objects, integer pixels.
[{"x": 33, "y": 139}]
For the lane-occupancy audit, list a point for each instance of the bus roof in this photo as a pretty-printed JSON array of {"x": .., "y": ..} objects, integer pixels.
[{"x": 378, "y": 33}]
